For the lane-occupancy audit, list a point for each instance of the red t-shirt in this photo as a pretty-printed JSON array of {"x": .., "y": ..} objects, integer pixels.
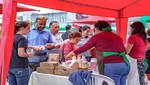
[
  {"x": 139, "y": 46},
  {"x": 67, "y": 47},
  {"x": 104, "y": 42}
]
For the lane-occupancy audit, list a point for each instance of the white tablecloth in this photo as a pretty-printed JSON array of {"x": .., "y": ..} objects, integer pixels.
[{"x": 48, "y": 79}]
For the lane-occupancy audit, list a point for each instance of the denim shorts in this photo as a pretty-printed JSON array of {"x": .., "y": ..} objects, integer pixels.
[{"x": 18, "y": 76}]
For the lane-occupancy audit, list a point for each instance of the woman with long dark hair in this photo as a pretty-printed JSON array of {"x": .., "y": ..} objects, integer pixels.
[{"x": 136, "y": 47}]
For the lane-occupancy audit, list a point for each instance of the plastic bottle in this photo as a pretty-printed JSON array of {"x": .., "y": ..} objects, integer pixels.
[
  {"x": 79, "y": 61},
  {"x": 73, "y": 60},
  {"x": 93, "y": 64},
  {"x": 84, "y": 61},
  {"x": 83, "y": 57}
]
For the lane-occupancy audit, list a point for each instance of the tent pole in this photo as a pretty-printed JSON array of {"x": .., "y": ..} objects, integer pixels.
[
  {"x": 121, "y": 24},
  {"x": 8, "y": 23}
]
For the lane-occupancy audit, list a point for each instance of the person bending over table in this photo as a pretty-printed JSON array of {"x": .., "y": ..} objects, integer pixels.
[
  {"x": 69, "y": 45},
  {"x": 110, "y": 52}
]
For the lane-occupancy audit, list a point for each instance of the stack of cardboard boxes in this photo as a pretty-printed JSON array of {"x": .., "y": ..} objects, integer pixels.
[{"x": 54, "y": 68}]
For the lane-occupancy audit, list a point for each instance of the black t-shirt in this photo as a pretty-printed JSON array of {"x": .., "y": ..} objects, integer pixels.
[{"x": 16, "y": 61}]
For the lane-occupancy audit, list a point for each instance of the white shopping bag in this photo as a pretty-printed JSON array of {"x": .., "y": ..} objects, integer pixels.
[{"x": 133, "y": 76}]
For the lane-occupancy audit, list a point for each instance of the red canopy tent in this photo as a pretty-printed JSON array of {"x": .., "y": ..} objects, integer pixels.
[
  {"x": 118, "y": 9},
  {"x": 93, "y": 19},
  {"x": 19, "y": 8}
]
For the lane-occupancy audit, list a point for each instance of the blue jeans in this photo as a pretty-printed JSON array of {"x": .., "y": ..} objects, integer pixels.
[
  {"x": 18, "y": 76},
  {"x": 117, "y": 71}
]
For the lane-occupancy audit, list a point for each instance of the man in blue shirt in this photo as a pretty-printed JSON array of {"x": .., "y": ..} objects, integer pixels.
[{"x": 39, "y": 37}]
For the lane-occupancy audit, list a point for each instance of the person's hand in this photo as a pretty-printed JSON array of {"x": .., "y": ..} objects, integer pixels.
[
  {"x": 92, "y": 48},
  {"x": 49, "y": 45},
  {"x": 30, "y": 54},
  {"x": 39, "y": 48},
  {"x": 57, "y": 45},
  {"x": 69, "y": 56}
]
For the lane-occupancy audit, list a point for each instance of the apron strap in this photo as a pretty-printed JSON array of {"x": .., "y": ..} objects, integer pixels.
[
  {"x": 146, "y": 62},
  {"x": 122, "y": 54}
]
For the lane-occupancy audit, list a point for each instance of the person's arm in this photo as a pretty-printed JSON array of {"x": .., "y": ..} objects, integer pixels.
[
  {"x": 67, "y": 49},
  {"x": 21, "y": 48},
  {"x": 68, "y": 57},
  {"x": 57, "y": 45},
  {"x": 37, "y": 48},
  {"x": 89, "y": 44},
  {"x": 130, "y": 43},
  {"x": 50, "y": 46},
  {"x": 50, "y": 43},
  {"x": 128, "y": 48},
  {"x": 22, "y": 53},
  {"x": 50, "y": 39}
]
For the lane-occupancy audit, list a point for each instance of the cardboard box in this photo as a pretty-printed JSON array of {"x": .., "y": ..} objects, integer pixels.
[
  {"x": 48, "y": 64},
  {"x": 54, "y": 57},
  {"x": 65, "y": 71},
  {"x": 46, "y": 70},
  {"x": 75, "y": 65}
]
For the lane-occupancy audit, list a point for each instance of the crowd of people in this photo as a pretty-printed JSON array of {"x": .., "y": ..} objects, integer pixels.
[{"x": 29, "y": 50}]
